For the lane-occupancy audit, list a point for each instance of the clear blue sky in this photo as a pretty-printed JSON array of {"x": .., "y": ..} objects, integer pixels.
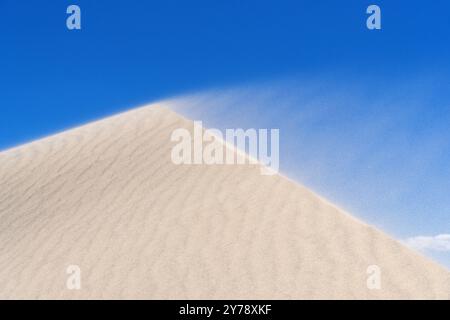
[{"x": 132, "y": 52}]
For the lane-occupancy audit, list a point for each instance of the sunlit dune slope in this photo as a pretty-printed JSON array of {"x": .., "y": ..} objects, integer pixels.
[{"x": 106, "y": 197}]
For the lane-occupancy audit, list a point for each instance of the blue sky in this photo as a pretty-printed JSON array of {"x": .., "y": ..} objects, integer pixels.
[{"x": 311, "y": 68}]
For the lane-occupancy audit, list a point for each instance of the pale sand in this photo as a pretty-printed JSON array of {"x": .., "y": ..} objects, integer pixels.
[{"x": 107, "y": 197}]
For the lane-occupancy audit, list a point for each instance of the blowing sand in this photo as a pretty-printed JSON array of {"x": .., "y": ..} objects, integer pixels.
[{"x": 106, "y": 197}]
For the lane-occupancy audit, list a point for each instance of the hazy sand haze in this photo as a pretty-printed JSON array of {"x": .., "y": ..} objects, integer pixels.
[{"x": 107, "y": 197}]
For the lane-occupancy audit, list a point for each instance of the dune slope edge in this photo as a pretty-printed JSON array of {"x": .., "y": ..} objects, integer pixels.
[{"x": 106, "y": 197}]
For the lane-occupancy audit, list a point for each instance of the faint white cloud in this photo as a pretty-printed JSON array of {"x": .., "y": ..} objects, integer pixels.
[{"x": 440, "y": 242}]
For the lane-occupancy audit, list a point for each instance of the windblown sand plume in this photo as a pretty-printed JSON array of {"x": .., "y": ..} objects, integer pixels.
[{"x": 106, "y": 197}]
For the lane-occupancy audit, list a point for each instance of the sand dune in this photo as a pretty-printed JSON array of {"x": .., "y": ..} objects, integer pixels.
[{"x": 107, "y": 198}]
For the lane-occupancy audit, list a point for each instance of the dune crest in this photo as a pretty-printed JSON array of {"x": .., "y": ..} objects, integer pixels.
[{"x": 107, "y": 198}]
